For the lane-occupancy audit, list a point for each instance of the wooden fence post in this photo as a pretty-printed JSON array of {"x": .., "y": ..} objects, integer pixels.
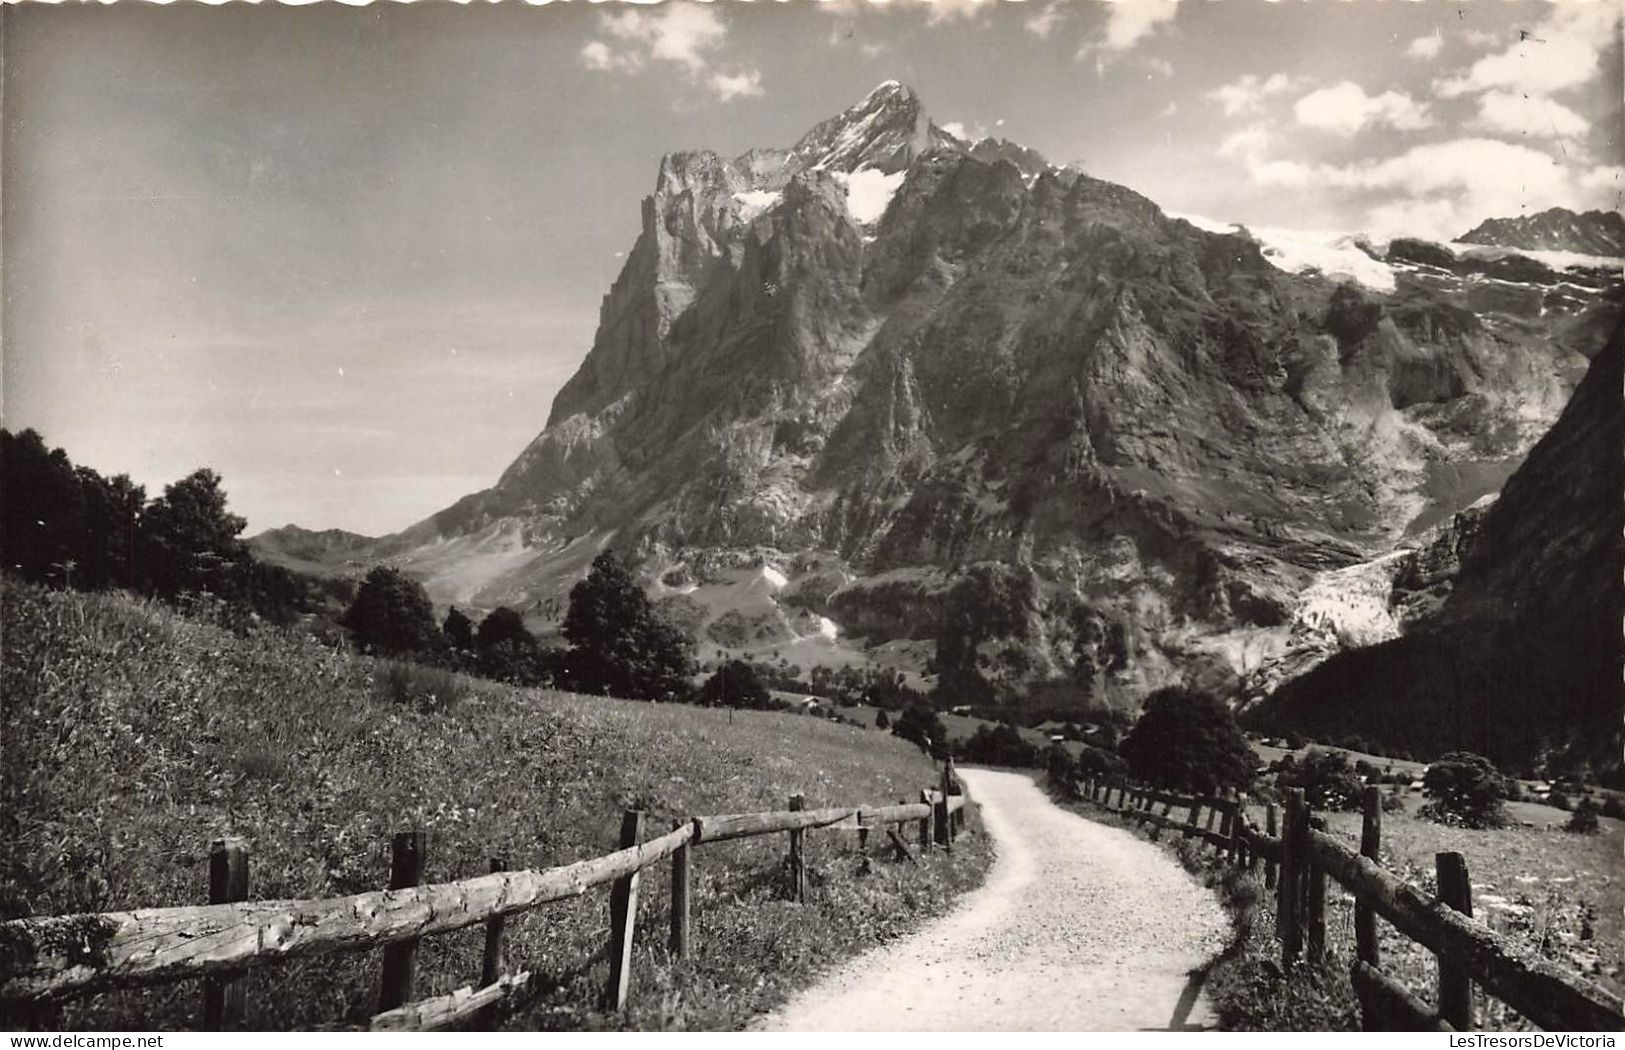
[
  {"x": 1290, "y": 890},
  {"x": 1455, "y": 986},
  {"x": 225, "y": 996},
  {"x": 1271, "y": 829},
  {"x": 1227, "y": 819},
  {"x": 945, "y": 834},
  {"x": 863, "y": 834},
  {"x": 679, "y": 898},
  {"x": 1314, "y": 890},
  {"x": 1192, "y": 817},
  {"x": 925, "y": 822},
  {"x": 798, "y": 858},
  {"x": 492, "y": 965},
  {"x": 623, "y": 918},
  {"x": 400, "y": 959},
  {"x": 1238, "y": 839},
  {"x": 1365, "y": 920}
]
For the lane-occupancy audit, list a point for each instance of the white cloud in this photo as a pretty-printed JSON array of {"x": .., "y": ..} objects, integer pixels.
[
  {"x": 1345, "y": 109},
  {"x": 595, "y": 54},
  {"x": 1158, "y": 67},
  {"x": 1559, "y": 52},
  {"x": 1608, "y": 178},
  {"x": 1041, "y": 24},
  {"x": 1425, "y": 47},
  {"x": 1510, "y": 113},
  {"x": 1246, "y": 94},
  {"x": 1441, "y": 188},
  {"x": 729, "y": 86},
  {"x": 1130, "y": 21},
  {"x": 1169, "y": 110},
  {"x": 947, "y": 10},
  {"x": 679, "y": 31},
  {"x": 1250, "y": 141}
]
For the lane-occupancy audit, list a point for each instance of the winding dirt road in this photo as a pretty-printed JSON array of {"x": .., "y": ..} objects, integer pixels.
[{"x": 1079, "y": 927}]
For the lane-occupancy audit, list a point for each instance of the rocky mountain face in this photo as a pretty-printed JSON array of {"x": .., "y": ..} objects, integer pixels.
[
  {"x": 1555, "y": 229},
  {"x": 890, "y": 395},
  {"x": 1522, "y": 658}
]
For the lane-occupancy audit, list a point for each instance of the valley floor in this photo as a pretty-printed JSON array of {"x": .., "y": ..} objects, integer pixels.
[{"x": 1079, "y": 927}]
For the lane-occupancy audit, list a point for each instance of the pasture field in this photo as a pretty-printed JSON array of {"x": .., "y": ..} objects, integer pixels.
[{"x": 135, "y": 735}]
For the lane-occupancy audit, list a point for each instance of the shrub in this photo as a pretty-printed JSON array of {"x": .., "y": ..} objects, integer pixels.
[
  {"x": 1062, "y": 770},
  {"x": 882, "y": 720},
  {"x": 1465, "y": 789},
  {"x": 1583, "y": 821},
  {"x": 414, "y": 685},
  {"x": 1097, "y": 763},
  {"x": 1000, "y": 745},
  {"x": 1614, "y": 806},
  {"x": 1295, "y": 741},
  {"x": 458, "y": 629},
  {"x": 1326, "y": 780},
  {"x": 1188, "y": 741},
  {"x": 1393, "y": 803},
  {"x": 1559, "y": 799}
]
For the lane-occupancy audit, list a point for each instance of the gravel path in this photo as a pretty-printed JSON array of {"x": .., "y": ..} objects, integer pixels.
[{"x": 1079, "y": 927}]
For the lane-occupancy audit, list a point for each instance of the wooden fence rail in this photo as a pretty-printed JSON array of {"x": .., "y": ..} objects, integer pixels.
[
  {"x": 1299, "y": 860},
  {"x": 61, "y": 956}
]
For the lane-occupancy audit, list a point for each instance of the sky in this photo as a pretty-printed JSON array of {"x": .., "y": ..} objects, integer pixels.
[{"x": 346, "y": 255}]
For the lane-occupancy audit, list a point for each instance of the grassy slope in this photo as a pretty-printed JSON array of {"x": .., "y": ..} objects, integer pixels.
[{"x": 133, "y": 736}]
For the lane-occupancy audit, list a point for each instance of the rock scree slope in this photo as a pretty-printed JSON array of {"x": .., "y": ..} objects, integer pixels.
[{"x": 1079, "y": 927}]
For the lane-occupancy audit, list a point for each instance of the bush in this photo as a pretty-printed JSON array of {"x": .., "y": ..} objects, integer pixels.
[
  {"x": 1465, "y": 789},
  {"x": 1583, "y": 821},
  {"x": 1559, "y": 799},
  {"x": 999, "y": 746},
  {"x": 1326, "y": 780},
  {"x": 882, "y": 720},
  {"x": 1614, "y": 806},
  {"x": 1096, "y": 763},
  {"x": 1188, "y": 740},
  {"x": 1295, "y": 741},
  {"x": 1062, "y": 770},
  {"x": 417, "y": 686}
]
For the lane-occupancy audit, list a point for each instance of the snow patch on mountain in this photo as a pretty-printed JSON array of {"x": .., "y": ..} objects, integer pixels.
[
  {"x": 1334, "y": 254},
  {"x": 753, "y": 203},
  {"x": 827, "y": 628},
  {"x": 869, "y": 192}
]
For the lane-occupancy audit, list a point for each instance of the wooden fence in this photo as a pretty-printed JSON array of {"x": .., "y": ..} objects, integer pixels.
[
  {"x": 1299, "y": 857},
  {"x": 62, "y": 956}
]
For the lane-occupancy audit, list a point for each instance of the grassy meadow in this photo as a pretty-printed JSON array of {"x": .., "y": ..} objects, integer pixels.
[{"x": 134, "y": 735}]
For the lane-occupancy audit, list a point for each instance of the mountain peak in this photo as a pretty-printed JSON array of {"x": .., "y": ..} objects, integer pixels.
[
  {"x": 884, "y": 130},
  {"x": 1555, "y": 229}
]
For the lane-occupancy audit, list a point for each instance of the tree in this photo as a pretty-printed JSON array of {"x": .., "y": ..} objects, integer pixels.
[
  {"x": 188, "y": 540},
  {"x": 1187, "y": 740},
  {"x": 619, "y": 645},
  {"x": 503, "y": 624},
  {"x": 735, "y": 684},
  {"x": 1583, "y": 821},
  {"x": 391, "y": 614},
  {"x": 1326, "y": 779},
  {"x": 882, "y": 720},
  {"x": 921, "y": 726},
  {"x": 1465, "y": 789},
  {"x": 1000, "y": 745},
  {"x": 459, "y": 630}
]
